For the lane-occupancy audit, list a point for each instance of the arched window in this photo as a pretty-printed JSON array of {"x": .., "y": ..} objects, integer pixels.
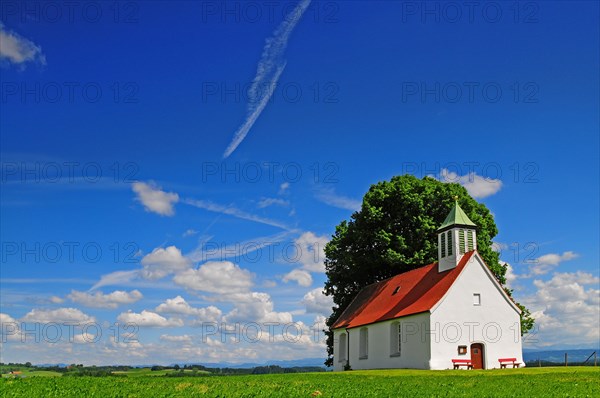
[
  {"x": 363, "y": 350},
  {"x": 343, "y": 344},
  {"x": 395, "y": 339}
]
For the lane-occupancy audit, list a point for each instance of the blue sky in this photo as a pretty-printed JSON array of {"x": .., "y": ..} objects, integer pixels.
[{"x": 126, "y": 196}]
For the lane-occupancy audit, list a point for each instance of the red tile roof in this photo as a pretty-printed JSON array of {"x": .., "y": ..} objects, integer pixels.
[{"x": 419, "y": 290}]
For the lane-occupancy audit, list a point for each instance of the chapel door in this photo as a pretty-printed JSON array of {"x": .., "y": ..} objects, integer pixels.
[{"x": 477, "y": 355}]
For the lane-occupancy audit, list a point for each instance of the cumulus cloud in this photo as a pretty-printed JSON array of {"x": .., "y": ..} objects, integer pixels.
[
  {"x": 221, "y": 277},
  {"x": 154, "y": 199},
  {"x": 316, "y": 302},
  {"x": 300, "y": 276},
  {"x": 18, "y": 50},
  {"x": 5, "y": 318},
  {"x": 566, "y": 309},
  {"x": 162, "y": 262},
  {"x": 510, "y": 275},
  {"x": 176, "y": 339},
  {"x": 58, "y": 315},
  {"x": 178, "y": 305},
  {"x": 148, "y": 319},
  {"x": 548, "y": 262},
  {"x": 310, "y": 250},
  {"x": 478, "y": 187},
  {"x": 101, "y": 300},
  {"x": 310, "y": 253},
  {"x": 255, "y": 307}
]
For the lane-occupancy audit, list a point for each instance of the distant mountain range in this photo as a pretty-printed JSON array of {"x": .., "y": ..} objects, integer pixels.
[
  {"x": 284, "y": 364},
  {"x": 575, "y": 355}
]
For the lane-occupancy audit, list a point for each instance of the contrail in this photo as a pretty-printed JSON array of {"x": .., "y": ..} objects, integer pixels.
[{"x": 270, "y": 67}]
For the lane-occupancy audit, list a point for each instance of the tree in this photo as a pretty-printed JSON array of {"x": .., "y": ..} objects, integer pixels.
[{"x": 396, "y": 231}]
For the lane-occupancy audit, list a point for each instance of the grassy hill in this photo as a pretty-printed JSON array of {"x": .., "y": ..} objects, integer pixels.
[{"x": 528, "y": 382}]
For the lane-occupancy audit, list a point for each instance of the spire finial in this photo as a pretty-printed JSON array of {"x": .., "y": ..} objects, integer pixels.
[{"x": 455, "y": 198}]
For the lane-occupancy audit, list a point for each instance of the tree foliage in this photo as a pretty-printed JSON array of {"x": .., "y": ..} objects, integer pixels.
[{"x": 396, "y": 231}]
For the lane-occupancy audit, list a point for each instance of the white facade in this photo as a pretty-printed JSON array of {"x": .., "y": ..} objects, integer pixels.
[
  {"x": 386, "y": 348},
  {"x": 474, "y": 310}
]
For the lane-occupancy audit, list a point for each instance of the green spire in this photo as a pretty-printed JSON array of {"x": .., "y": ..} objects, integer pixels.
[{"x": 456, "y": 217}]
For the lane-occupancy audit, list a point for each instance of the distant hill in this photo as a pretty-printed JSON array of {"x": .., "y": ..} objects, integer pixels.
[
  {"x": 318, "y": 362},
  {"x": 575, "y": 355},
  {"x": 558, "y": 356}
]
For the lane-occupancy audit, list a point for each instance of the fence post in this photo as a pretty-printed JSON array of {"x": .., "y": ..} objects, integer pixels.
[{"x": 566, "y": 359}]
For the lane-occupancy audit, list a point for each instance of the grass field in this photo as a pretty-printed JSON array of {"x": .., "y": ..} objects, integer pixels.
[{"x": 529, "y": 382}]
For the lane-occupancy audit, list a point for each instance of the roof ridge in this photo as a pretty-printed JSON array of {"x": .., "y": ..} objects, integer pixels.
[{"x": 401, "y": 273}]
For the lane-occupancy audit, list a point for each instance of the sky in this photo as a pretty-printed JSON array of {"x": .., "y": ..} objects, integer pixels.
[{"x": 171, "y": 171}]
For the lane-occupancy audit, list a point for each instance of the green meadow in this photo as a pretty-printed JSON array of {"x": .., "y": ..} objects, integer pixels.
[{"x": 528, "y": 382}]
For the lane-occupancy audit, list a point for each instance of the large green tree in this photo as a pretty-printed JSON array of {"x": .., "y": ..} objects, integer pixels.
[{"x": 396, "y": 231}]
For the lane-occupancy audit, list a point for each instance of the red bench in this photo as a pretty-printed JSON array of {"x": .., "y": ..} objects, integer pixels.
[
  {"x": 462, "y": 362},
  {"x": 508, "y": 361}
]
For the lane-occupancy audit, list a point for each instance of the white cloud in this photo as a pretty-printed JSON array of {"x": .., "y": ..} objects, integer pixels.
[
  {"x": 499, "y": 246},
  {"x": 310, "y": 249},
  {"x": 210, "y": 250},
  {"x": 234, "y": 212},
  {"x": 18, "y": 50},
  {"x": 329, "y": 197},
  {"x": 56, "y": 300},
  {"x": 302, "y": 277},
  {"x": 5, "y": 318},
  {"x": 223, "y": 277},
  {"x": 189, "y": 232},
  {"x": 310, "y": 253},
  {"x": 284, "y": 188},
  {"x": 269, "y": 283},
  {"x": 86, "y": 338},
  {"x": 548, "y": 262},
  {"x": 255, "y": 307},
  {"x": 116, "y": 278},
  {"x": 317, "y": 303},
  {"x": 266, "y": 202},
  {"x": 176, "y": 339},
  {"x": 101, "y": 300},
  {"x": 566, "y": 309},
  {"x": 148, "y": 319},
  {"x": 270, "y": 67},
  {"x": 178, "y": 305},
  {"x": 58, "y": 315},
  {"x": 154, "y": 199},
  {"x": 478, "y": 187},
  {"x": 162, "y": 262},
  {"x": 510, "y": 275}
]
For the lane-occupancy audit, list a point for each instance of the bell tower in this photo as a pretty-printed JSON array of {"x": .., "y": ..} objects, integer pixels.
[{"x": 456, "y": 236}]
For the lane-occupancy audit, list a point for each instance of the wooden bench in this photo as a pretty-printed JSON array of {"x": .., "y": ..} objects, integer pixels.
[
  {"x": 462, "y": 362},
  {"x": 508, "y": 361}
]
